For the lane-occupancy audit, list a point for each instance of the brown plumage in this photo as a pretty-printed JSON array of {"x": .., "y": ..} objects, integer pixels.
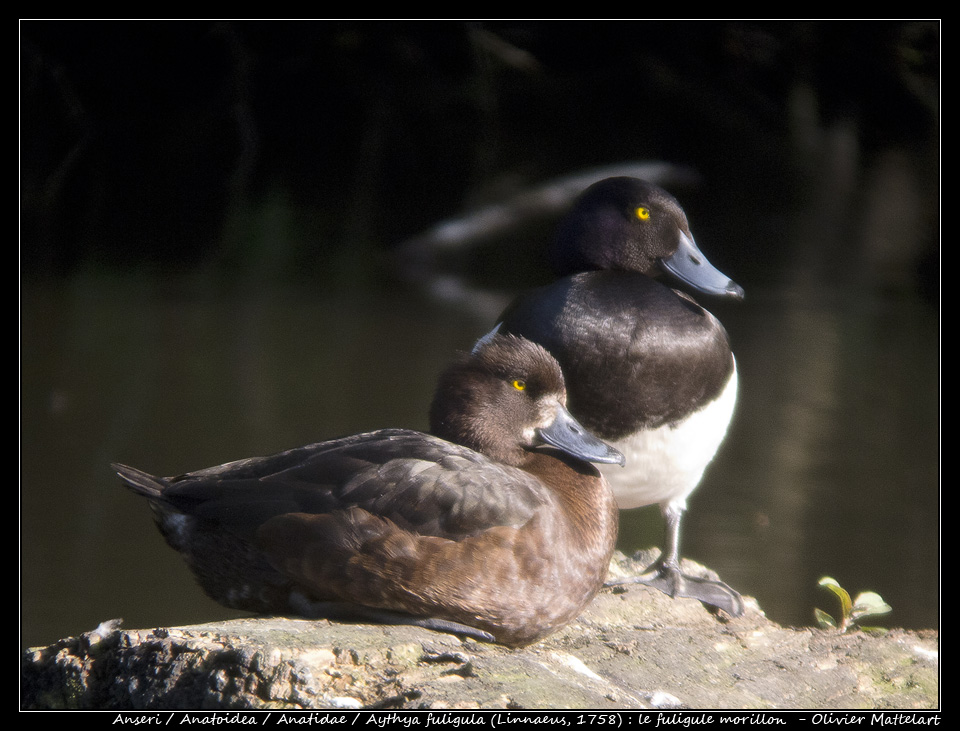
[{"x": 481, "y": 528}]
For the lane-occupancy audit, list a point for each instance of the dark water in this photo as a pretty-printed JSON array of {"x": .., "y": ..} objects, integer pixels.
[{"x": 831, "y": 466}]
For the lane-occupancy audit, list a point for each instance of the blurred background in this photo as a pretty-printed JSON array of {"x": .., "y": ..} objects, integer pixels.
[{"x": 230, "y": 245}]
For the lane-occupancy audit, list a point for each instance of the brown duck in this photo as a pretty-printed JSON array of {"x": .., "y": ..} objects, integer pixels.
[{"x": 494, "y": 526}]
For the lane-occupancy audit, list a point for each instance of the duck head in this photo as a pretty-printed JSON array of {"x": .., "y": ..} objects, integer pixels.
[
  {"x": 507, "y": 399},
  {"x": 628, "y": 224}
]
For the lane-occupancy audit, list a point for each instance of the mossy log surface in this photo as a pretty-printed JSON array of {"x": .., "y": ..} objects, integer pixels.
[{"x": 631, "y": 648}]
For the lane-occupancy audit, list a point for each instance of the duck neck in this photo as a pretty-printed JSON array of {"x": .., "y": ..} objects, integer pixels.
[{"x": 583, "y": 493}]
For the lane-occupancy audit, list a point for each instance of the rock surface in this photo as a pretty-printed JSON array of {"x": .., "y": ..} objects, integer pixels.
[{"x": 632, "y": 648}]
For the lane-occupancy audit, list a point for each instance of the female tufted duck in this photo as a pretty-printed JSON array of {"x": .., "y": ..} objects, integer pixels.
[
  {"x": 646, "y": 367},
  {"x": 494, "y": 527}
]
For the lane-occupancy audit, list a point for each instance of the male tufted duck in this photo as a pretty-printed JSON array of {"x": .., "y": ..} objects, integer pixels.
[
  {"x": 494, "y": 527},
  {"x": 646, "y": 367}
]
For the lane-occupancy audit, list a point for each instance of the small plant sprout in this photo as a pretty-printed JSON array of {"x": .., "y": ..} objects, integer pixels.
[{"x": 867, "y": 604}]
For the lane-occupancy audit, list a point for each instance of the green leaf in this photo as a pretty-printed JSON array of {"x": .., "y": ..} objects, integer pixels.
[
  {"x": 824, "y": 620},
  {"x": 869, "y": 603},
  {"x": 845, "y": 604}
]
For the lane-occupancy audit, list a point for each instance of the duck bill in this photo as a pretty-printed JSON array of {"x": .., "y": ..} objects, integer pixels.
[
  {"x": 566, "y": 434},
  {"x": 690, "y": 266}
]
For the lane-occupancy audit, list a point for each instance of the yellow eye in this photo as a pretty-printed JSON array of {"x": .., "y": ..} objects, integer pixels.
[
  {"x": 519, "y": 384},
  {"x": 643, "y": 213}
]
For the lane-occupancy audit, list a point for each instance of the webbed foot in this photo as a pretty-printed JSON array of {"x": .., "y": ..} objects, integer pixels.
[{"x": 673, "y": 582}]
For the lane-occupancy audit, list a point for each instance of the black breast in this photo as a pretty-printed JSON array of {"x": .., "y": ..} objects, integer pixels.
[{"x": 635, "y": 353}]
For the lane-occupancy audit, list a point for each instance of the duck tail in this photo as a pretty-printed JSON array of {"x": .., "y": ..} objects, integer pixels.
[{"x": 140, "y": 482}]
